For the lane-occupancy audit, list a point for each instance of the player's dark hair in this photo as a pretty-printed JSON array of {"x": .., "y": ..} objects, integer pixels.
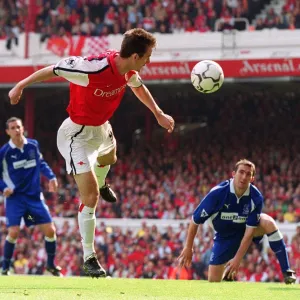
[
  {"x": 245, "y": 162},
  {"x": 12, "y": 119},
  {"x": 138, "y": 41}
]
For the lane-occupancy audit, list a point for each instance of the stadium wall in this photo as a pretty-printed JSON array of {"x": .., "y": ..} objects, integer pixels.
[
  {"x": 136, "y": 224},
  {"x": 242, "y": 55},
  {"x": 171, "y": 47}
]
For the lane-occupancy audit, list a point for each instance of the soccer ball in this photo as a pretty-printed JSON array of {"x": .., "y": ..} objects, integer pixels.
[{"x": 207, "y": 76}]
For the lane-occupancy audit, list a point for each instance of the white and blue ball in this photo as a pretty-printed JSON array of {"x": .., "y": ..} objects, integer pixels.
[{"x": 207, "y": 76}]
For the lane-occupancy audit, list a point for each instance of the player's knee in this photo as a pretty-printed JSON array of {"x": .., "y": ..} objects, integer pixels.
[
  {"x": 49, "y": 230},
  {"x": 267, "y": 223},
  {"x": 107, "y": 160},
  {"x": 215, "y": 273},
  {"x": 13, "y": 232},
  {"x": 91, "y": 200},
  {"x": 114, "y": 159},
  {"x": 214, "y": 279}
]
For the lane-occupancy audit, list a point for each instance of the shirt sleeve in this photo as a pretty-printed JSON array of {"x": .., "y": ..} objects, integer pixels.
[
  {"x": 3, "y": 185},
  {"x": 44, "y": 167},
  {"x": 206, "y": 208},
  {"x": 133, "y": 79},
  {"x": 76, "y": 69},
  {"x": 254, "y": 216}
]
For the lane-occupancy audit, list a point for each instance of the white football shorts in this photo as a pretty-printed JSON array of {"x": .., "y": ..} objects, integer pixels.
[{"x": 81, "y": 145}]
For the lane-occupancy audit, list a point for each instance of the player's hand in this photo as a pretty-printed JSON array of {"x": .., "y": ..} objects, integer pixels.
[
  {"x": 53, "y": 185},
  {"x": 231, "y": 269},
  {"x": 185, "y": 257},
  {"x": 7, "y": 192},
  {"x": 15, "y": 94},
  {"x": 165, "y": 121}
]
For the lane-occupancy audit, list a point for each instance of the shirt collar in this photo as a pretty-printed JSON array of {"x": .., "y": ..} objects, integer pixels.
[
  {"x": 247, "y": 192},
  {"x": 12, "y": 145},
  {"x": 111, "y": 60}
]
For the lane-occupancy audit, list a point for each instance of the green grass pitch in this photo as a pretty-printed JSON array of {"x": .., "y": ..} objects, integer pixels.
[{"x": 72, "y": 288}]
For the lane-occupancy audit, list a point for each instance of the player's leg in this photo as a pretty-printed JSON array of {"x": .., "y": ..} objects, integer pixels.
[
  {"x": 49, "y": 232},
  {"x": 38, "y": 214},
  {"x": 77, "y": 145},
  {"x": 215, "y": 273},
  {"x": 89, "y": 194},
  {"x": 107, "y": 155},
  {"x": 101, "y": 169},
  {"x": 9, "y": 247},
  {"x": 14, "y": 211},
  {"x": 222, "y": 252},
  {"x": 268, "y": 226}
]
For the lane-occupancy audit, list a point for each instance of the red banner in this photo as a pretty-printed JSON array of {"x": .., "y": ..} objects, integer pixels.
[
  {"x": 181, "y": 70},
  {"x": 231, "y": 68},
  {"x": 75, "y": 45}
]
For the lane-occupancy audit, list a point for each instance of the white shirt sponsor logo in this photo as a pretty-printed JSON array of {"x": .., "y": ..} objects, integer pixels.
[
  {"x": 26, "y": 164},
  {"x": 234, "y": 217},
  {"x": 101, "y": 93}
]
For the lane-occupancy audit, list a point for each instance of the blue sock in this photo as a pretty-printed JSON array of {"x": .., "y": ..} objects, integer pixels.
[
  {"x": 278, "y": 246},
  {"x": 50, "y": 245},
  {"x": 9, "y": 247}
]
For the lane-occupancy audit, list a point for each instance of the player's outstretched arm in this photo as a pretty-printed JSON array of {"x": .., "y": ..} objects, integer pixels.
[
  {"x": 6, "y": 191},
  {"x": 185, "y": 258},
  {"x": 16, "y": 92},
  {"x": 145, "y": 96}
]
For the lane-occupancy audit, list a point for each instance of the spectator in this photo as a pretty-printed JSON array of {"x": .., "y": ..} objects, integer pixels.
[
  {"x": 87, "y": 27},
  {"x": 12, "y": 32},
  {"x": 289, "y": 216},
  {"x": 110, "y": 17},
  {"x": 259, "y": 24},
  {"x": 148, "y": 21}
]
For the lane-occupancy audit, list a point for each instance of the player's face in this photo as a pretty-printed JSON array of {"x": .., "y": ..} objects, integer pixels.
[
  {"x": 243, "y": 177},
  {"x": 140, "y": 62},
  {"x": 15, "y": 130}
]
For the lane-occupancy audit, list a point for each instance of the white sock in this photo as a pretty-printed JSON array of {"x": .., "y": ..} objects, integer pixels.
[
  {"x": 87, "y": 225},
  {"x": 101, "y": 173}
]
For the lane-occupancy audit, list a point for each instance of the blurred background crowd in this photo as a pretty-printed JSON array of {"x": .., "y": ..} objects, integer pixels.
[
  {"x": 162, "y": 176},
  {"x": 149, "y": 252},
  {"x": 104, "y": 17}
]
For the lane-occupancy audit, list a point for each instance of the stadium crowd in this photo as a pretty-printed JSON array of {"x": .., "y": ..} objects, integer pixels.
[
  {"x": 149, "y": 252},
  {"x": 167, "y": 178},
  {"x": 104, "y": 17}
]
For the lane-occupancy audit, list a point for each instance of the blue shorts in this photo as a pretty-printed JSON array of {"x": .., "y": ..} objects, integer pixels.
[
  {"x": 32, "y": 209},
  {"x": 225, "y": 249}
]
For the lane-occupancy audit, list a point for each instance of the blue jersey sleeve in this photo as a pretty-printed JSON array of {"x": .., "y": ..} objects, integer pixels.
[
  {"x": 208, "y": 206},
  {"x": 254, "y": 217},
  {"x": 44, "y": 167},
  {"x": 3, "y": 185}
]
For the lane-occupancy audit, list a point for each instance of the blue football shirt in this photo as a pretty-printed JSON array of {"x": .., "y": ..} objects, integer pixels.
[
  {"x": 20, "y": 168},
  {"x": 227, "y": 214}
]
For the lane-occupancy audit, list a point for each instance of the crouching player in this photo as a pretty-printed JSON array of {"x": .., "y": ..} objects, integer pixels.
[{"x": 233, "y": 209}]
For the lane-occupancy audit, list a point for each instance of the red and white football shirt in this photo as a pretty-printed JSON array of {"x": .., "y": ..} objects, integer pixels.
[{"x": 96, "y": 86}]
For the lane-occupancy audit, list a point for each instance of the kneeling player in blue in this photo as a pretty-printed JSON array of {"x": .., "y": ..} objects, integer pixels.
[
  {"x": 233, "y": 209},
  {"x": 20, "y": 166}
]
